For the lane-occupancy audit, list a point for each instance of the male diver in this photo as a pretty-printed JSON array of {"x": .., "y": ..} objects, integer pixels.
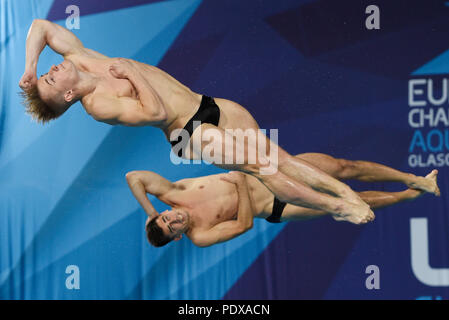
[
  {"x": 217, "y": 208},
  {"x": 122, "y": 91}
]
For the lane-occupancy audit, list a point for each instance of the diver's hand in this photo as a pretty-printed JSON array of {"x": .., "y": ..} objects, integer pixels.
[
  {"x": 28, "y": 80},
  {"x": 122, "y": 68}
]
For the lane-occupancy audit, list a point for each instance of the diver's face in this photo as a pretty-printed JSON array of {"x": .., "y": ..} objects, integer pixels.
[
  {"x": 57, "y": 83},
  {"x": 173, "y": 222}
]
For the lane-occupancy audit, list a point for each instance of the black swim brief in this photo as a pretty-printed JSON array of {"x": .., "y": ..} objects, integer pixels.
[
  {"x": 208, "y": 112},
  {"x": 278, "y": 208}
]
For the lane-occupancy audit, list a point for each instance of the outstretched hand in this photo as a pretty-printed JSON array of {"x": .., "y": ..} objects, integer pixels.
[
  {"x": 28, "y": 80},
  {"x": 121, "y": 68}
]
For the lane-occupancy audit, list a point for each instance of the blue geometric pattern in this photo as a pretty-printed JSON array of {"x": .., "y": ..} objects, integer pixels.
[
  {"x": 439, "y": 65},
  {"x": 307, "y": 68}
]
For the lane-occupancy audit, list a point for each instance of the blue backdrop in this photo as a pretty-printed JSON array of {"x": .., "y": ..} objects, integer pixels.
[{"x": 310, "y": 69}]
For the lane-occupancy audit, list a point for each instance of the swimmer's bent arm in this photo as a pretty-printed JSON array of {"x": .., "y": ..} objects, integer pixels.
[
  {"x": 229, "y": 229},
  {"x": 40, "y": 34},
  {"x": 143, "y": 182},
  {"x": 148, "y": 109},
  {"x": 44, "y": 32}
]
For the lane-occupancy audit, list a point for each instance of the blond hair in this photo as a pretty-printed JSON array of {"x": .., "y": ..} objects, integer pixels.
[{"x": 36, "y": 107}]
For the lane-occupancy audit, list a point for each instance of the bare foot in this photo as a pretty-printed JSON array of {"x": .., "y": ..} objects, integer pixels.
[
  {"x": 427, "y": 183},
  {"x": 355, "y": 213},
  {"x": 352, "y": 197}
]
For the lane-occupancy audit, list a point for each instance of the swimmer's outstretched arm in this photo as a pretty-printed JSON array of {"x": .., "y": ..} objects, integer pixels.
[
  {"x": 143, "y": 182},
  {"x": 40, "y": 34},
  {"x": 227, "y": 230}
]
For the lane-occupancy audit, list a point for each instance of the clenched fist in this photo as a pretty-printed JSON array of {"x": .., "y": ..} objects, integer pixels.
[
  {"x": 28, "y": 81},
  {"x": 121, "y": 68}
]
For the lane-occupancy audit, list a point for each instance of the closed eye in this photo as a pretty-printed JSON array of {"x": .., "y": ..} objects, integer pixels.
[
  {"x": 46, "y": 79},
  {"x": 168, "y": 226}
]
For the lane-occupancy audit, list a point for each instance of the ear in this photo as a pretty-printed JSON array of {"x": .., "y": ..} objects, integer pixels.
[
  {"x": 177, "y": 237},
  {"x": 68, "y": 96}
]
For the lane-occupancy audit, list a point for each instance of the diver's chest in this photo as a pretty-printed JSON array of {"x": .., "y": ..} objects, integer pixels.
[
  {"x": 118, "y": 87},
  {"x": 209, "y": 204}
]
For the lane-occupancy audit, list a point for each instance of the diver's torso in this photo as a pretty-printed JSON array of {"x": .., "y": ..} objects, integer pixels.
[{"x": 179, "y": 101}]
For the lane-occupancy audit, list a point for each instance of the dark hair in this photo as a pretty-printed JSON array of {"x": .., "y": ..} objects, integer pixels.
[
  {"x": 156, "y": 235},
  {"x": 36, "y": 107}
]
